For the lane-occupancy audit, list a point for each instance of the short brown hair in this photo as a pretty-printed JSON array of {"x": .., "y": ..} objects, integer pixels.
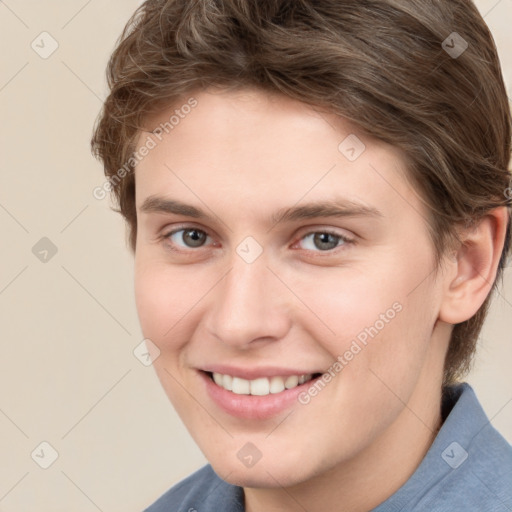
[{"x": 422, "y": 75}]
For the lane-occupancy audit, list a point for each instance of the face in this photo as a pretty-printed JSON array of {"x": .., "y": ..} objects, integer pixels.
[{"x": 282, "y": 253}]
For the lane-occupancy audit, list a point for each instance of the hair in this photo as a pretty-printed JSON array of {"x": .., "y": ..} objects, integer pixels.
[{"x": 384, "y": 65}]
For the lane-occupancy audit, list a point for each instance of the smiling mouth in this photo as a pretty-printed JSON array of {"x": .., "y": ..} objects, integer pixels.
[{"x": 261, "y": 386}]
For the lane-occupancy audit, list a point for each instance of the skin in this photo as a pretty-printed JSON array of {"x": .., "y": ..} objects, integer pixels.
[{"x": 242, "y": 156}]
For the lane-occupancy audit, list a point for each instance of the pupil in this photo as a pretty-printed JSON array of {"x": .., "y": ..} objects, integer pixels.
[
  {"x": 194, "y": 236},
  {"x": 323, "y": 238}
]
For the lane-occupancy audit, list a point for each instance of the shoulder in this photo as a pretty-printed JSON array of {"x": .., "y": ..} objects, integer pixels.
[
  {"x": 476, "y": 461},
  {"x": 479, "y": 478},
  {"x": 202, "y": 491},
  {"x": 468, "y": 467},
  {"x": 483, "y": 480}
]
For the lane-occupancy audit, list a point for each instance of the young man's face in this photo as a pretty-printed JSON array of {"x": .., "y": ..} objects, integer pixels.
[{"x": 245, "y": 292}]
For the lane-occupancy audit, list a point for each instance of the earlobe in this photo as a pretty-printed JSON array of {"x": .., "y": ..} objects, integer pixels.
[{"x": 474, "y": 268}]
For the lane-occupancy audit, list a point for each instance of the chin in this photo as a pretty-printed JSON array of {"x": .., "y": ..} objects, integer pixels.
[
  {"x": 262, "y": 477},
  {"x": 264, "y": 474}
]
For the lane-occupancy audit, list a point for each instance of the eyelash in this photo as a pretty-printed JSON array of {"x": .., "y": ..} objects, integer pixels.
[{"x": 344, "y": 240}]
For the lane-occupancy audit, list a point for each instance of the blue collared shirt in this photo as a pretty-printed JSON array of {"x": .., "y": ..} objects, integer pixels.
[{"x": 467, "y": 468}]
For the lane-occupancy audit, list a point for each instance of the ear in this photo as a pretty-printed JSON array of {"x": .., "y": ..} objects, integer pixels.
[{"x": 472, "y": 271}]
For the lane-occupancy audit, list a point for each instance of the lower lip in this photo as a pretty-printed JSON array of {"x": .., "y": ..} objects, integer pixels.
[{"x": 253, "y": 407}]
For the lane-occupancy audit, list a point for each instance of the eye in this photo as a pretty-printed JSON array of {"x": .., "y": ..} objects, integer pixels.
[
  {"x": 324, "y": 241},
  {"x": 188, "y": 238},
  {"x": 193, "y": 238}
]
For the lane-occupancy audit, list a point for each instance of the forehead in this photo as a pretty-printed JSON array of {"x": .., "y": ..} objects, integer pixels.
[{"x": 261, "y": 149}]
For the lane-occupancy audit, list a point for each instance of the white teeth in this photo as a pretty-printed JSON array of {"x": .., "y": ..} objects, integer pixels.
[
  {"x": 241, "y": 386},
  {"x": 276, "y": 385},
  {"x": 261, "y": 386},
  {"x": 291, "y": 382},
  {"x": 227, "y": 382}
]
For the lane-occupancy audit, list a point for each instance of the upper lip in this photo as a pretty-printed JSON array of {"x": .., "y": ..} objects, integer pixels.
[{"x": 256, "y": 372}]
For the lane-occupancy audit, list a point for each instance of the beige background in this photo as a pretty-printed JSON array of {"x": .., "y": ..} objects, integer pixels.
[{"x": 69, "y": 326}]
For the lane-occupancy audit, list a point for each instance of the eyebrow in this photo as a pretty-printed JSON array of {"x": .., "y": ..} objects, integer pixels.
[{"x": 327, "y": 208}]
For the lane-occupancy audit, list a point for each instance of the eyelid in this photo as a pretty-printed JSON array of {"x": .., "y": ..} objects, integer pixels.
[
  {"x": 182, "y": 227},
  {"x": 166, "y": 234},
  {"x": 345, "y": 239},
  {"x": 306, "y": 231}
]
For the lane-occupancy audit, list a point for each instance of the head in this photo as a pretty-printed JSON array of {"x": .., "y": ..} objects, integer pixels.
[{"x": 245, "y": 110}]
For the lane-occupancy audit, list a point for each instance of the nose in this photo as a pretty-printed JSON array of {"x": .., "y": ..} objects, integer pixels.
[{"x": 249, "y": 305}]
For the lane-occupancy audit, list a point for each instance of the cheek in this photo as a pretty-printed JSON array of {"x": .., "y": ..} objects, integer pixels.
[
  {"x": 377, "y": 321},
  {"x": 160, "y": 299},
  {"x": 391, "y": 351},
  {"x": 161, "y": 302},
  {"x": 348, "y": 304}
]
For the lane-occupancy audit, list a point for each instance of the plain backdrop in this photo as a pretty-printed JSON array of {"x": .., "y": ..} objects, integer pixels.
[{"x": 68, "y": 325}]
